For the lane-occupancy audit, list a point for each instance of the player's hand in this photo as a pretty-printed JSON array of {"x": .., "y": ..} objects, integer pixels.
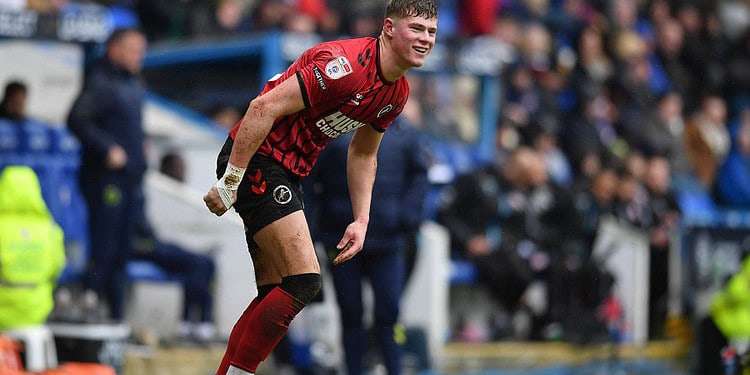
[
  {"x": 351, "y": 243},
  {"x": 215, "y": 203},
  {"x": 116, "y": 157}
]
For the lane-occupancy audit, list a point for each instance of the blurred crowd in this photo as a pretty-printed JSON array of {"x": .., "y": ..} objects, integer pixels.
[{"x": 608, "y": 109}]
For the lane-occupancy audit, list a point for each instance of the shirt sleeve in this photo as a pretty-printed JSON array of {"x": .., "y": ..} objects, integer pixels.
[{"x": 327, "y": 76}]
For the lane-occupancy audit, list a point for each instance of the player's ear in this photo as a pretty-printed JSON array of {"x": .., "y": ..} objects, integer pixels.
[{"x": 388, "y": 24}]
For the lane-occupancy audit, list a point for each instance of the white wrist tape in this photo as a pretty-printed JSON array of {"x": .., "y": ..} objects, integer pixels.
[{"x": 229, "y": 183}]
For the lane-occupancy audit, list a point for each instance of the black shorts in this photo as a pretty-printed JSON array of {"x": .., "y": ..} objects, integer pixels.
[{"x": 267, "y": 193}]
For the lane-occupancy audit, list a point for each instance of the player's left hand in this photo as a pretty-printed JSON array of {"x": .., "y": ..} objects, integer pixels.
[{"x": 351, "y": 243}]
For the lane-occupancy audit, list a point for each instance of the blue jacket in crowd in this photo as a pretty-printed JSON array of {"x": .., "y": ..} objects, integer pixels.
[
  {"x": 398, "y": 195},
  {"x": 108, "y": 112},
  {"x": 733, "y": 182}
]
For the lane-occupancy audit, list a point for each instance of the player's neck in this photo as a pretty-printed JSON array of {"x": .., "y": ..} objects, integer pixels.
[{"x": 388, "y": 63}]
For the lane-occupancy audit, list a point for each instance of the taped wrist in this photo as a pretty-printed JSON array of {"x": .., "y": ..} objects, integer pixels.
[{"x": 229, "y": 183}]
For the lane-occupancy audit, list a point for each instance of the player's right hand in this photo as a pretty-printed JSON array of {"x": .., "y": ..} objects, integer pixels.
[{"x": 219, "y": 199}]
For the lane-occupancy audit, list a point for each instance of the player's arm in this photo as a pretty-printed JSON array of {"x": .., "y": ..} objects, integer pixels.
[
  {"x": 284, "y": 99},
  {"x": 361, "y": 165}
]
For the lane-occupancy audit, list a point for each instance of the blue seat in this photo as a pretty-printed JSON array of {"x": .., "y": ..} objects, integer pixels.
[
  {"x": 462, "y": 272},
  {"x": 142, "y": 270},
  {"x": 10, "y": 139},
  {"x": 697, "y": 207},
  {"x": 36, "y": 138}
]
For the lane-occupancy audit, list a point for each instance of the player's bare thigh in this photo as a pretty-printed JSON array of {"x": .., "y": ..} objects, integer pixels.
[
  {"x": 288, "y": 243},
  {"x": 265, "y": 269}
]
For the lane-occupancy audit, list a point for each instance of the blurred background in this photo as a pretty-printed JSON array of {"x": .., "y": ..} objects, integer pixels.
[{"x": 584, "y": 205}]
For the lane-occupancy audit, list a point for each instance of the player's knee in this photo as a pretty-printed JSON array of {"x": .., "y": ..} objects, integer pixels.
[{"x": 303, "y": 287}]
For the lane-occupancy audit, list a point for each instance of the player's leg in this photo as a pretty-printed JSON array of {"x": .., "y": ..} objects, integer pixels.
[
  {"x": 386, "y": 272},
  {"x": 347, "y": 280},
  {"x": 267, "y": 277},
  {"x": 288, "y": 242}
]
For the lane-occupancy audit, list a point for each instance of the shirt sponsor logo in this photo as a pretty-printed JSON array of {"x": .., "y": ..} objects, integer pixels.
[
  {"x": 336, "y": 124},
  {"x": 319, "y": 78},
  {"x": 385, "y": 110},
  {"x": 338, "y": 67}
]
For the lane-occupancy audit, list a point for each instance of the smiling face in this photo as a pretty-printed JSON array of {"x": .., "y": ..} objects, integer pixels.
[{"x": 412, "y": 38}]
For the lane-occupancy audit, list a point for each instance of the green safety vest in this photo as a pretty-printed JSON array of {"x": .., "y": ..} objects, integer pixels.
[
  {"x": 32, "y": 252},
  {"x": 730, "y": 308}
]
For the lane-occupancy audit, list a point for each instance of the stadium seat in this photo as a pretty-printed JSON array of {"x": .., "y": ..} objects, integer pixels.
[
  {"x": 141, "y": 270},
  {"x": 462, "y": 272},
  {"x": 697, "y": 207}
]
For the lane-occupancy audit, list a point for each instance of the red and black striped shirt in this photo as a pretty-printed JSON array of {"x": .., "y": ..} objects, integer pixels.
[{"x": 344, "y": 89}]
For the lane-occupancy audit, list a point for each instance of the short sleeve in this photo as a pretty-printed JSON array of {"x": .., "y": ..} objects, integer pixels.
[{"x": 328, "y": 74}]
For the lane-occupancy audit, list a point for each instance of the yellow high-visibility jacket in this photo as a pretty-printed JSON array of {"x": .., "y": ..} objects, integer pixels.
[{"x": 32, "y": 252}]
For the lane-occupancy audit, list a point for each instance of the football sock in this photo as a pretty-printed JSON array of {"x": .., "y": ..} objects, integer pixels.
[
  {"x": 239, "y": 327},
  {"x": 270, "y": 319},
  {"x": 237, "y": 371}
]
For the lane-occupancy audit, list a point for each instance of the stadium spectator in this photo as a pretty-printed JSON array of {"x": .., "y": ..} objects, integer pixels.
[
  {"x": 594, "y": 66},
  {"x": 172, "y": 164},
  {"x": 594, "y": 135},
  {"x": 194, "y": 270},
  {"x": 106, "y": 118},
  {"x": 13, "y": 104},
  {"x": 669, "y": 51},
  {"x": 636, "y": 165},
  {"x": 595, "y": 201},
  {"x": 733, "y": 182},
  {"x": 511, "y": 223},
  {"x": 546, "y": 144},
  {"x": 665, "y": 216},
  {"x": 396, "y": 213},
  {"x": 664, "y": 133},
  {"x": 707, "y": 139},
  {"x": 32, "y": 253},
  {"x": 632, "y": 203}
]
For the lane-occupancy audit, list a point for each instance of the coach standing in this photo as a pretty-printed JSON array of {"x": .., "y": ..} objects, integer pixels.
[{"x": 106, "y": 118}]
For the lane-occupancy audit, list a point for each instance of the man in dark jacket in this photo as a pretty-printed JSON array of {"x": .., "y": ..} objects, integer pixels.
[
  {"x": 396, "y": 213},
  {"x": 106, "y": 118}
]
